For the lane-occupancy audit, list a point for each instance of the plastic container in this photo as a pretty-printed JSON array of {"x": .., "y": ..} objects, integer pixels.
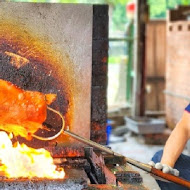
[{"x": 108, "y": 131}]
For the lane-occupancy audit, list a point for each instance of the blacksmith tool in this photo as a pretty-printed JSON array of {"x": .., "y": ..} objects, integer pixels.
[{"x": 145, "y": 167}]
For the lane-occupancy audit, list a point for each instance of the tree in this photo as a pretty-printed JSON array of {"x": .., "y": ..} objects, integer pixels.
[{"x": 158, "y": 8}]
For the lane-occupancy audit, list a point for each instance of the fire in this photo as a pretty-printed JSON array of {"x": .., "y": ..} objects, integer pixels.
[
  {"x": 22, "y": 161},
  {"x": 22, "y": 112}
]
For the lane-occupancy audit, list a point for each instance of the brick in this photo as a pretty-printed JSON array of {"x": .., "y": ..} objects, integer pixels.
[
  {"x": 99, "y": 138},
  {"x": 100, "y": 10},
  {"x": 99, "y": 68},
  {"x": 100, "y": 22},
  {"x": 99, "y": 73},
  {"x": 98, "y": 126},
  {"x": 99, "y": 55},
  {"x": 131, "y": 177},
  {"x": 99, "y": 80},
  {"x": 100, "y": 29},
  {"x": 99, "y": 114},
  {"x": 100, "y": 43}
]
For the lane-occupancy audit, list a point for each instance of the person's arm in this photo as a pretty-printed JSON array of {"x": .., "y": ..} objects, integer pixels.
[{"x": 177, "y": 141}]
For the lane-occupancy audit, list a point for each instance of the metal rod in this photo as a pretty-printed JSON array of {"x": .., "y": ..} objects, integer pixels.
[
  {"x": 140, "y": 165},
  {"x": 121, "y": 39},
  {"x": 57, "y": 134},
  {"x": 143, "y": 166}
]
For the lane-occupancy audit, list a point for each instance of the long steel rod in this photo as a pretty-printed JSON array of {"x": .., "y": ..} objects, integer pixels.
[
  {"x": 140, "y": 165},
  {"x": 143, "y": 166}
]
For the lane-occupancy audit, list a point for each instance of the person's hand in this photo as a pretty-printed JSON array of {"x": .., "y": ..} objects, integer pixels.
[{"x": 164, "y": 168}]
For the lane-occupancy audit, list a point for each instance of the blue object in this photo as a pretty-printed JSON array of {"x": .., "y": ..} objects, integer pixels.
[
  {"x": 108, "y": 131},
  {"x": 182, "y": 164},
  {"x": 188, "y": 108}
]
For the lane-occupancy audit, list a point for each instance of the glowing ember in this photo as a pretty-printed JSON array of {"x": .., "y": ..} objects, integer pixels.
[
  {"x": 23, "y": 161},
  {"x": 22, "y": 112}
]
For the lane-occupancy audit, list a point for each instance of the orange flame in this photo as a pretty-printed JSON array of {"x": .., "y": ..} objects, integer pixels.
[{"x": 23, "y": 161}]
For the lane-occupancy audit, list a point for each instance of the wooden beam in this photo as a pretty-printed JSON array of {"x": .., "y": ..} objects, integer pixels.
[{"x": 141, "y": 17}]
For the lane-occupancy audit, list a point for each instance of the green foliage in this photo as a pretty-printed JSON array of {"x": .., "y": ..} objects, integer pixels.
[
  {"x": 114, "y": 59},
  {"x": 92, "y": 1},
  {"x": 110, "y": 2},
  {"x": 158, "y": 8},
  {"x": 68, "y": 1},
  {"x": 185, "y": 2},
  {"x": 172, "y": 3},
  {"x": 115, "y": 2},
  {"x": 119, "y": 17}
]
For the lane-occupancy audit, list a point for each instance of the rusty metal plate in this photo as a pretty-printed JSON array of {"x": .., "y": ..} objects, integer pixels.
[{"x": 48, "y": 48}]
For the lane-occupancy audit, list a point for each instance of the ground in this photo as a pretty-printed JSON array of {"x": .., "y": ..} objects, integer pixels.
[{"x": 134, "y": 147}]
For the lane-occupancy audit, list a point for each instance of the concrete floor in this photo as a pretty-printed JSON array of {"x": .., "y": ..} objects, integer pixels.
[{"x": 134, "y": 147}]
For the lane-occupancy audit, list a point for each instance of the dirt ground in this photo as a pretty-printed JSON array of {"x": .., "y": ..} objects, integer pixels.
[{"x": 134, "y": 147}]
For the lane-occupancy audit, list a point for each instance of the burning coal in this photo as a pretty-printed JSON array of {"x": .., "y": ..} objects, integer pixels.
[
  {"x": 22, "y": 112},
  {"x": 22, "y": 161}
]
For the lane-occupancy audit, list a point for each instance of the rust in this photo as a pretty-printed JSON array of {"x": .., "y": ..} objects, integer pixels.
[
  {"x": 60, "y": 151},
  {"x": 33, "y": 64},
  {"x": 113, "y": 160},
  {"x": 72, "y": 162},
  {"x": 17, "y": 60},
  {"x": 100, "y": 170},
  {"x": 105, "y": 59},
  {"x": 111, "y": 187},
  {"x": 131, "y": 177}
]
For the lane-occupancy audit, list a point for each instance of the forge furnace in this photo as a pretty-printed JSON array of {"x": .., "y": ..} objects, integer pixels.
[{"x": 63, "y": 49}]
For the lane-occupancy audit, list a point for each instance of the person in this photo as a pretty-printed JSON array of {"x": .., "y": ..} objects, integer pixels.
[{"x": 171, "y": 160}]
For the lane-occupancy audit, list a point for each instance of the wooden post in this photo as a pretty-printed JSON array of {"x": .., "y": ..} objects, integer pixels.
[{"x": 141, "y": 15}]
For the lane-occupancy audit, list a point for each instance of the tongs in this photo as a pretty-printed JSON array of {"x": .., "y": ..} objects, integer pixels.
[
  {"x": 56, "y": 135},
  {"x": 145, "y": 167}
]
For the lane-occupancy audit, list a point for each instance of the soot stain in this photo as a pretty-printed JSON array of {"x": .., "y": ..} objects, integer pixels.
[{"x": 35, "y": 76}]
